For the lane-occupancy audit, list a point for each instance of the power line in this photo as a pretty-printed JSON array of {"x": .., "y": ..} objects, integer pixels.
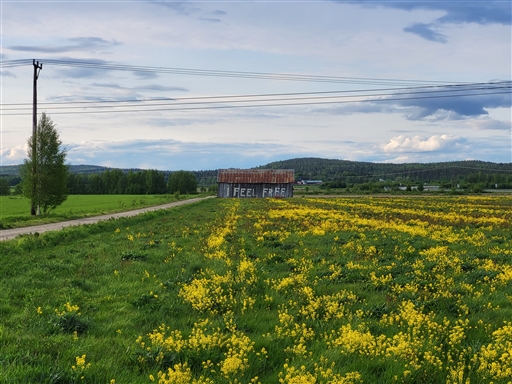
[
  {"x": 100, "y": 65},
  {"x": 423, "y": 170},
  {"x": 224, "y": 73},
  {"x": 435, "y": 170},
  {"x": 292, "y": 96},
  {"x": 14, "y": 63},
  {"x": 275, "y": 103},
  {"x": 433, "y": 89}
]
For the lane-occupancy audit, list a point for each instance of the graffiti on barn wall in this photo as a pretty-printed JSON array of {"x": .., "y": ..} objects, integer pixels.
[{"x": 248, "y": 190}]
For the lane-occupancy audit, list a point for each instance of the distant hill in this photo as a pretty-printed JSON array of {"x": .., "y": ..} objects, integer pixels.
[
  {"x": 311, "y": 168},
  {"x": 87, "y": 169},
  {"x": 14, "y": 170},
  {"x": 10, "y": 170}
]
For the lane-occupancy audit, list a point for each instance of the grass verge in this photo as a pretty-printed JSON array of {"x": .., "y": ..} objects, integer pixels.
[{"x": 15, "y": 210}]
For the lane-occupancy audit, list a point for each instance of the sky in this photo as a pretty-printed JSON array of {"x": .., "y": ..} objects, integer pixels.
[{"x": 198, "y": 85}]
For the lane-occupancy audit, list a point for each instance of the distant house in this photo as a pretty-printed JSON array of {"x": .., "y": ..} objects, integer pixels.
[
  {"x": 310, "y": 182},
  {"x": 251, "y": 183},
  {"x": 425, "y": 188}
]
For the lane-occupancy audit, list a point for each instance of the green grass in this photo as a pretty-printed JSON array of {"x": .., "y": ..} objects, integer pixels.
[
  {"x": 125, "y": 276},
  {"x": 77, "y": 266},
  {"x": 15, "y": 210}
]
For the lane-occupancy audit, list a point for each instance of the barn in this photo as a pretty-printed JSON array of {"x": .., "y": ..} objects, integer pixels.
[{"x": 249, "y": 183}]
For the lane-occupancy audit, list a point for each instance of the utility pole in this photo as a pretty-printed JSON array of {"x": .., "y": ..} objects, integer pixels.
[{"x": 37, "y": 68}]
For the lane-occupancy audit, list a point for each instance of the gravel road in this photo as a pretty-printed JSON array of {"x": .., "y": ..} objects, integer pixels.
[{"x": 7, "y": 234}]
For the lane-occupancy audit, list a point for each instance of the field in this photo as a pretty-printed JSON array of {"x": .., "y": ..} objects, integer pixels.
[
  {"x": 15, "y": 210},
  {"x": 304, "y": 290}
]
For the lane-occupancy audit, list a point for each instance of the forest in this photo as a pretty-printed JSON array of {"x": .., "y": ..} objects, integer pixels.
[{"x": 343, "y": 173}]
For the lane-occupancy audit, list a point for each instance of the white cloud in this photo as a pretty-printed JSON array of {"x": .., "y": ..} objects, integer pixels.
[
  {"x": 171, "y": 154},
  {"x": 490, "y": 124},
  {"x": 398, "y": 160},
  {"x": 14, "y": 155},
  {"x": 434, "y": 143}
]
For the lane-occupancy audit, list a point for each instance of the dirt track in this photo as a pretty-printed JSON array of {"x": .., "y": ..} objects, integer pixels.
[{"x": 7, "y": 234}]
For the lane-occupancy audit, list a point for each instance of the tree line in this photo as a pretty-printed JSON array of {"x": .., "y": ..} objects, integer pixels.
[
  {"x": 356, "y": 172},
  {"x": 117, "y": 182}
]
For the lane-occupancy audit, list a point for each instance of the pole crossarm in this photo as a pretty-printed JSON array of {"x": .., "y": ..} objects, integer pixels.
[{"x": 37, "y": 68}]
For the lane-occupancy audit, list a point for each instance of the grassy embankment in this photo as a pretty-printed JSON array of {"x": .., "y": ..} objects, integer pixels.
[
  {"x": 15, "y": 210},
  {"x": 388, "y": 290}
]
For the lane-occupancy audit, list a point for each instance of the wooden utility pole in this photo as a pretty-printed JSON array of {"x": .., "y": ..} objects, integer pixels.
[{"x": 37, "y": 68}]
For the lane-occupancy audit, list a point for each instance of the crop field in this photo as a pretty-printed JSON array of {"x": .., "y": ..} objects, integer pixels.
[
  {"x": 304, "y": 290},
  {"x": 15, "y": 210}
]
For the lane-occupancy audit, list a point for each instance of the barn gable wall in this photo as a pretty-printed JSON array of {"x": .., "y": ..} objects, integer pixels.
[
  {"x": 250, "y": 183},
  {"x": 250, "y": 190}
]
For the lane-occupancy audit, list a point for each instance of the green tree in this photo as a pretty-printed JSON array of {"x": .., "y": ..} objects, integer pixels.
[
  {"x": 96, "y": 184},
  {"x": 183, "y": 182},
  {"x": 113, "y": 181},
  {"x": 155, "y": 181},
  {"x": 47, "y": 188},
  {"x": 5, "y": 188},
  {"x": 18, "y": 189}
]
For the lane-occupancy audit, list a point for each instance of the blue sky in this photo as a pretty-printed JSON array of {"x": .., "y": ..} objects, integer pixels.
[{"x": 356, "y": 47}]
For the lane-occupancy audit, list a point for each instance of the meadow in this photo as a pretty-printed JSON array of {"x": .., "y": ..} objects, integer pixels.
[
  {"x": 303, "y": 290},
  {"x": 15, "y": 210}
]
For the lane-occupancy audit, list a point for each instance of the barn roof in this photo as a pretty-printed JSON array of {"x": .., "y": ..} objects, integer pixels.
[{"x": 272, "y": 176}]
